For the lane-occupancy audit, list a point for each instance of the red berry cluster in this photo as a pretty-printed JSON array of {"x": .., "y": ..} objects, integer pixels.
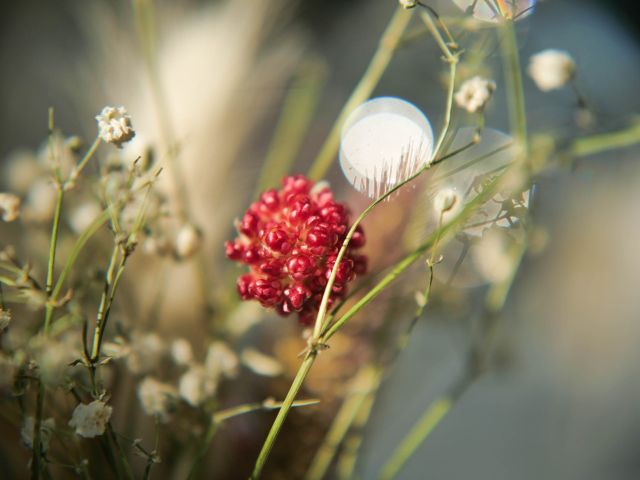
[{"x": 290, "y": 239}]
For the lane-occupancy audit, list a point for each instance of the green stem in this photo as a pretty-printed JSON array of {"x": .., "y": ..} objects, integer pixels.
[
  {"x": 282, "y": 413},
  {"x": 362, "y": 384},
  {"x": 427, "y": 423},
  {"x": 380, "y": 61},
  {"x": 606, "y": 141},
  {"x": 513, "y": 77},
  {"x": 297, "y": 111}
]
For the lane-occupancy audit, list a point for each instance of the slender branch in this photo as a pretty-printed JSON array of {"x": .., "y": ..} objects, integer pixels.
[
  {"x": 379, "y": 62},
  {"x": 282, "y": 413}
]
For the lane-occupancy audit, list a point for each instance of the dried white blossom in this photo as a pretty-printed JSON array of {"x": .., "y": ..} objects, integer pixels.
[
  {"x": 5, "y": 319},
  {"x": 260, "y": 363},
  {"x": 221, "y": 360},
  {"x": 146, "y": 352},
  {"x": 9, "y": 207},
  {"x": 181, "y": 352},
  {"x": 551, "y": 69},
  {"x": 81, "y": 217},
  {"x": 46, "y": 431},
  {"x": 474, "y": 94},
  {"x": 90, "y": 420},
  {"x": 114, "y": 124},
  {"x": 157, "y": 398},
  {"x": 408, "y": 3},
  {"x": 196, "y": 385},
  {"x": 187, "y": 241}
]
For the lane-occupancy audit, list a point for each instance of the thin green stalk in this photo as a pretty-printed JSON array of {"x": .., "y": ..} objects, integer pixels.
[
  {"x": 37, "y": 440},
  {"x": 603, "y": 142},
  {"x": 360, "y": 387},
  {"x": 85, "y": 159},
  {"x": 108, "y": 293},
  {"x": 222, "y": 416},
  {"x": 379, "y": 62},
  {"x": 488, "y": 192},
  {"x": 513, "y": 77},
  {"x": 437, "y": 410},
  {"x": 427, "y": 423},
  {"x": 348, "y": 457},
  {"x": 297, "y": 111},
  {"x": 121, "y": 455},
  {"x": 282, "y": 413}
]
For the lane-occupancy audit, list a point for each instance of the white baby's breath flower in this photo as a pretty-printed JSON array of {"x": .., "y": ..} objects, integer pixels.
[
  {"x": 157, "y": 399},
  {"x": 474, "y": 94},
  {"x": 181, "y": 352},
  {"x": 115, "y": 125},
  {"x": 9, "y": 207},
  {"x": 196, "y": 385},
  {"x": 90, "y": 420},
  {"x": 46, "y": 430},
  {"x": 5, "y": 319},
  {"x": 408, "y": 3},
  {"x": 551, "y": 69},
  {"x": 260, "y": 363},
  {"x": 187, "y": 241},
  {"x": 221, "y": 360}
]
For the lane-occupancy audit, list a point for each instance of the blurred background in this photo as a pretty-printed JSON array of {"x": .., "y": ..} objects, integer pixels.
[{"x": 563, "y": 398}]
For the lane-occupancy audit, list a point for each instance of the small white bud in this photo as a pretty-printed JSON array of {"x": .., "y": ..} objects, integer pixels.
[
  {"x": 115, "y": 127},
  {"x": 187, "y": 241},
  {"x": 474, "y": 94},
  {"x": 90, "y": 420},
  {"x": 9, "y": 207},
  {"x": 551, "y": 69},
  {"x": 445, "y": 200}
]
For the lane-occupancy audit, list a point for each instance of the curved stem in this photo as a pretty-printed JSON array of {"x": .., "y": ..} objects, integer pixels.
[{"x": 379, "y": 62}]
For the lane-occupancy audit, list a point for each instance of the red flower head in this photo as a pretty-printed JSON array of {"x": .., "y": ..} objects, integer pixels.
[{"x": 290, "y": 239}]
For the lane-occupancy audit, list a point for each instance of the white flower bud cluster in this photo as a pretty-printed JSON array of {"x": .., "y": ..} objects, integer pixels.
[
  {"x": 474, "y": 94},
  {"x": 551, "y": 69},
  {"x": 90, "y": 420},
  {"x": 114, "y": 124}
]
